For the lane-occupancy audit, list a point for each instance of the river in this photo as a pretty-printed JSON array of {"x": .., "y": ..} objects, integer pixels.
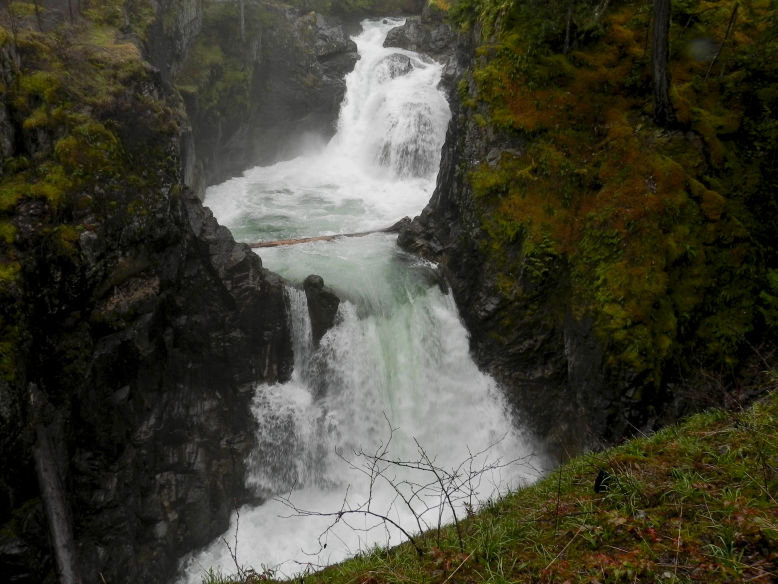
[{"x": 393, "y": 380}]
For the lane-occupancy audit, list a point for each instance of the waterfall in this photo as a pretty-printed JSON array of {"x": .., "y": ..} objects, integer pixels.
[{"x": 394, "y": 374}]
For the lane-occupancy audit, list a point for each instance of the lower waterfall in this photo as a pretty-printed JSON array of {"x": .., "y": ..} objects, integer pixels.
[{"x": 391, "y": 385}]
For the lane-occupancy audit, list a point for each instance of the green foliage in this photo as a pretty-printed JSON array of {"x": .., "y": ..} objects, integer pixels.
[
  {"x": 664, "y": 234},
  {"x": 216, "y": 577},
  {"x": 769, "y": 308},
  {"x": 89, "y": 150}
]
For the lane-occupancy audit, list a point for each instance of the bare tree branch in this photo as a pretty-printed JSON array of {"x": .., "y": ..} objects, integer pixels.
[{"x": 413, "y": 492}]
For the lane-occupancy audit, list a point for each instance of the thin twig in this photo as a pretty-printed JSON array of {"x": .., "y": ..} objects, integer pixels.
[
  {"x": 445, "y": 491},
  {"x": 567, "y": 545},
  {"x": 762, "y": 575},
  {"x": 678, "y": 542},
  {"x": 457, "y": 568},
  {"x": 726, "y": 36}
]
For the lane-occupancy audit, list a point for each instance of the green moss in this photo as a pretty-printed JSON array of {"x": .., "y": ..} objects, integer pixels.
[
  {"x": 663, "y": 233},
  {"x": 9, "y": 270},
  {"x": 90, "y": 149},
  {"x": 7, "y": 232},
  {"x": 35, "y": 87},
  {"x": 10, "y": 193}
]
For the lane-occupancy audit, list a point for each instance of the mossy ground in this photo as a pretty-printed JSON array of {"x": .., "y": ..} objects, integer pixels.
[
  {"x": 664, "y": 231},
  {"x": 695, "y": 502}
]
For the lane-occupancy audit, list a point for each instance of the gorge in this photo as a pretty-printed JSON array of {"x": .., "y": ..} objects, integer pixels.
[
  {"x": 612, "y": 274},
  {"x": 395, "y": 367}
]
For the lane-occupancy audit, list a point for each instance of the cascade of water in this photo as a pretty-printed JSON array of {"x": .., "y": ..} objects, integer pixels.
[
  {"x": 396, "y": 366},
  {"x": 394, "y": 115}
]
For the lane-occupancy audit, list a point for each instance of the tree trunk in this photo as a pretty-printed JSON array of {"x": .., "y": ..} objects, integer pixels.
[
  {"x": 664, "y": 115},
  {"x": 568, "y": 26},
  {"x": 731, "y": 24},
  {"x": 404, "y": 222},
  {"x": 242, "y": 20},
  {"x": 52, "y": 490}
]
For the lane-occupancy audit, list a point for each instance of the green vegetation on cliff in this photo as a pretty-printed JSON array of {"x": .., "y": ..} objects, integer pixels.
[
  {"x": 666, "y": 235},
  {"x": 217, "y": 73},
  {"x": 80, "y": 108}
]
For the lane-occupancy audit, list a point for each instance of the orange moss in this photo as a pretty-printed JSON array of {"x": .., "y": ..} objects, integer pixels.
[{"x": 644, "y": 216}]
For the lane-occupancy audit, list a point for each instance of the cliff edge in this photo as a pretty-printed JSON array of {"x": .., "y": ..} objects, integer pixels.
[{"x": 133, "y": 325}]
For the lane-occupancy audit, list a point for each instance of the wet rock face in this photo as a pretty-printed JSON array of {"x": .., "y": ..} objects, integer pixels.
[
  {"x": 145, "y": 335},
  {"x": 430, "y": 35},
  {"x": 174, "y": 31},
  {"x": 300, "y": 84},
  {"x": 296, "y": 65},
  {"x": 163, "y": 423},
  {"x": 430, "y": 38},
  {"x": 151, "y": 385}
]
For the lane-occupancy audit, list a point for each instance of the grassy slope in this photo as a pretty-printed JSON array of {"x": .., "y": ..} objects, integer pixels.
[{"x": 692, "y": 503}]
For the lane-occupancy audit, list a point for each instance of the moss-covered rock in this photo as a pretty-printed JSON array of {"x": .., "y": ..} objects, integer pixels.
[
  {"x": 132, "y": 325},
  {"x": 563, "y": 185}
]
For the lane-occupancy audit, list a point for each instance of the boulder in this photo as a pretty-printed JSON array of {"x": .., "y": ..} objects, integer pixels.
[
  {"x": 322, "y": 306},
  {"x": 394, "y": 66},
  {"x": 432, "y": 37}
]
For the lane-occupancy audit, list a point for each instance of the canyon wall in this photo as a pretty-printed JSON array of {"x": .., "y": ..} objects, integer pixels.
[
  {"x": 134, "y": 326},
  {"x": 613, "y": 274}
]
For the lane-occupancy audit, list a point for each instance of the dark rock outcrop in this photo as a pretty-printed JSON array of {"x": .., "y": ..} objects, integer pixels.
[
  {"x": 433, "y": 38},
  {"x": 294, "y": 67},
  {"x": 430, "y": 35},
  {"x": 172, "y": 34},
  {"x": 395, "y": 66},
  {"x": 143, "y": 326},
  {"x": 322, "y": 306}
]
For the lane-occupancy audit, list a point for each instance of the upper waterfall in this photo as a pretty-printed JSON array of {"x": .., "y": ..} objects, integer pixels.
[
  {"x": 380, "y": 166},
  {"x": 394, "y": 117}
]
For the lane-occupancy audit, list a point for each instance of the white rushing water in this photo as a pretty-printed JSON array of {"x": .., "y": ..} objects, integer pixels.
[{"x": 395, "y": 372}]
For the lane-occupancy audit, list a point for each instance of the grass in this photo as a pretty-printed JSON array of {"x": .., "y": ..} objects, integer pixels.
[{"x": 695, "y": 502}]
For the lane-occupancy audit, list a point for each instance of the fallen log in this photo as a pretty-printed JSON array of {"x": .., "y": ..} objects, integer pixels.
[{"x": 279, "y": 242}]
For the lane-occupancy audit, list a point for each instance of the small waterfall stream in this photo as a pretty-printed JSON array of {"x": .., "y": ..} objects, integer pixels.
[{"x": 395, "y": 369}]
